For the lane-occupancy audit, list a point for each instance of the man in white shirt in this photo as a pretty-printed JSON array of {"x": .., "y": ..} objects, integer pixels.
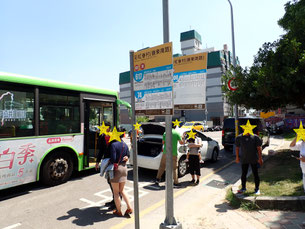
[{"x": 300, "y": 145}]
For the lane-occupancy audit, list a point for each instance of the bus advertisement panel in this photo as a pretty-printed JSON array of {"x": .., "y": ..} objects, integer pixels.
[{"x": 19, "y": 160}]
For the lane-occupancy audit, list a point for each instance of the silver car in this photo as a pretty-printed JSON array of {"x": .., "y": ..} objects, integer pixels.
[{"x": 150, "y": 148}]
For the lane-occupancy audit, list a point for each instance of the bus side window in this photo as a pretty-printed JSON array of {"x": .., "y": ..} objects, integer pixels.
[
  {"x": 16, "y": 112},
  {"x": 9, "y": 131},
  {"x": 59, "y": 113}
]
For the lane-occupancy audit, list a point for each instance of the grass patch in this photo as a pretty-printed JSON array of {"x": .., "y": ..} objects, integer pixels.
[
  {"x": 248, "y": 206},
  {"x": 281, "y": 175},
  {"x": 233, "y": 200},
  {"x": 238, "y": 203}
]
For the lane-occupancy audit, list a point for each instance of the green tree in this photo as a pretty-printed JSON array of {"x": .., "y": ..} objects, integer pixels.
[
  {"x": 141, "y": 119},
  {"x": 277, "y": 77}
]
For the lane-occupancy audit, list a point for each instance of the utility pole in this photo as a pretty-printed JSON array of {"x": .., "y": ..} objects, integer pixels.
[{"x": 169, "y": 222}]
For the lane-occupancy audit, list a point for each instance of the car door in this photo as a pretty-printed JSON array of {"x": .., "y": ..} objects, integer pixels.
[
  {"x": 204, "y": 148},
  {"x": 198, "y": 126}
]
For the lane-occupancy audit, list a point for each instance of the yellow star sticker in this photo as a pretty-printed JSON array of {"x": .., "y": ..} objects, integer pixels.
[
  {"x": 103, "y": 129},
  {"x": 300, "y": 132},
  {"x": 191, "y": 134},
  {"x": 137, "y": 126},
  {"x": 248, "y": 128},
  {"x": 115, "y": 135},
  {"x": 176, "y": 123}
]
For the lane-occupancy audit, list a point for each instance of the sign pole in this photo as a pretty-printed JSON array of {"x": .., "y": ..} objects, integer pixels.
[
  {"x": 234, "y": 65},
  {"x": 169, "y": 221},
  {"x": 134, "y": 147}
]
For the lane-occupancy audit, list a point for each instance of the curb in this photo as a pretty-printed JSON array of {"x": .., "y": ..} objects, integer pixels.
[
  {"x": 296, "y": 203},
  {"x": 283, "y": 203}
]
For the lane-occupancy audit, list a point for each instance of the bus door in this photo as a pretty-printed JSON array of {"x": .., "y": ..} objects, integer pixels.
[{"x": 95, "y": 113}]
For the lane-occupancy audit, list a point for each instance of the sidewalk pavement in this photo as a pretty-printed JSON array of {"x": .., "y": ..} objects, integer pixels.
[
  {"x": 203, "y": 206},
  {"x": 198, "y": 207}
]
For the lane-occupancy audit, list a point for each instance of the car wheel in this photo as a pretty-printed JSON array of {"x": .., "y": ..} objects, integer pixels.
[
  {"x": 182, "y": 167},
  {"x": 57, "y": 169},
  {"x": 214, "y": 155}
]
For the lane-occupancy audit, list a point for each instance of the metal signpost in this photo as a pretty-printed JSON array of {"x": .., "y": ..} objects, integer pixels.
[
  {"x": 151, "y": 72},
  {"x": 134, "y": 148},
  {"x": 169, "y": 221}
]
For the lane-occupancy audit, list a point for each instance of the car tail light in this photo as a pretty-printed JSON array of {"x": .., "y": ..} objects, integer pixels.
[{"x": 223, "y": 133}]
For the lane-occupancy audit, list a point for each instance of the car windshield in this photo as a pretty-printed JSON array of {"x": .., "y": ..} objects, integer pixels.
[{"x": 188, "y": 124}]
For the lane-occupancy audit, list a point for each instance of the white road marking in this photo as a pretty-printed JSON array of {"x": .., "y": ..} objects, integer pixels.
[
  {"x": 91, "y": 203},
  {"x": 106, "y": 196},
  {"x": 147, "y": 184},
  {"x": 12, "y": 226}
]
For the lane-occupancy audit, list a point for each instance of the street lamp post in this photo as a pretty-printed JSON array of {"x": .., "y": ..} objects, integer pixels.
[
  {"x": 234, "y": 65},
  {"x": 206, "y": 115},
  {"x": 170, "y": 221}
]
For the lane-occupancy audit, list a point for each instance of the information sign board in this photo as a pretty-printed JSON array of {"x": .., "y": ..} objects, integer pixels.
[
  {"x": 152, "y": 79},
  {"x": 189, "y": 81}
]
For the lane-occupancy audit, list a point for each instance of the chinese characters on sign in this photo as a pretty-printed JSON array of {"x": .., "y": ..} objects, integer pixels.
[
  {"x": 190, "y": 81},
  {"x": 153, "y": 71},
  {"x": 7, "y": 157},
  {"x": 16, "y": 164}
]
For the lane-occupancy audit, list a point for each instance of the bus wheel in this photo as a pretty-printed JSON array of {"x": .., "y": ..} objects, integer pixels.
[{"x": 57, "y": 169}]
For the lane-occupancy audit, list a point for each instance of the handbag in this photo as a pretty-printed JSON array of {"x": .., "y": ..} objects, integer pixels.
[
  {"x": 116, "y": 165},
  {"x": 103, "y": 166}
]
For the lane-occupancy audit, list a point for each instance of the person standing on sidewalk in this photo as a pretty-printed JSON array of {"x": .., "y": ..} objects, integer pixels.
[
  {"x": 194, "y": 158},
  {"x": 251, "y": 147},
  {"x": 175, "y": 139},
  {"x": 119, "y": 152},
  {"x": 104, "y": 152},
  {"x": 300, "y": 145},
  {"x": 103, "y": 143}
]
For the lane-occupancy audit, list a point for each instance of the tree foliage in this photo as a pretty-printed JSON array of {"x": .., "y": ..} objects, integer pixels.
[
  {"x": 277, "y": 76},
  {"x": 141, "y": 119}
]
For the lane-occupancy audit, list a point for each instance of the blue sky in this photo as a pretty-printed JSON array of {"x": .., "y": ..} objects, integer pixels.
[{"x": 88, "y": 42}]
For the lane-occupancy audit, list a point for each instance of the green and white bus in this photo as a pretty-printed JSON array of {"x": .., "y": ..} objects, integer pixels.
[{"x": 48, "y": 129}]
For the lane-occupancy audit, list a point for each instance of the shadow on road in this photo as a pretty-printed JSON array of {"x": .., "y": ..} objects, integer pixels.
[
  {"x": 87, "y": 216},
  {"x": 31, "y": 187},
  {"x": 20, "y": 190},
  {"x": 224, "y": 207}
]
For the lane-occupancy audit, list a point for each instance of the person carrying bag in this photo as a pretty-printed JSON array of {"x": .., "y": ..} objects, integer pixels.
[{"x": 118, "y": 153}]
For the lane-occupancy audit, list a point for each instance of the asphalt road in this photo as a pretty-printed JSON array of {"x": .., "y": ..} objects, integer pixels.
[{"x": 80, "y": 202}]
